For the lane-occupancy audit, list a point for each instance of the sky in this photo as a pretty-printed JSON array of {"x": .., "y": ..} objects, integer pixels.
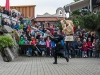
[{"x": 42, "y": 6}]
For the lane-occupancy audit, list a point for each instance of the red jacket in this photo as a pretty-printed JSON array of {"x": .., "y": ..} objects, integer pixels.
[
  {"x": 33, "y": 42},
  {"x": 89, "y": 45},
  {"x": 85, "y": 47}
]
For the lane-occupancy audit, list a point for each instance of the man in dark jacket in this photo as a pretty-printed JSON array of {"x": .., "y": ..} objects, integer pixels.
[
  {"x": 3, "y": 22},
  {"x": 58, "y": 48}
]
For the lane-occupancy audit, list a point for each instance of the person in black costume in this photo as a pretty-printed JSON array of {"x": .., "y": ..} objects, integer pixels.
[{"x": 58, "y": 49}]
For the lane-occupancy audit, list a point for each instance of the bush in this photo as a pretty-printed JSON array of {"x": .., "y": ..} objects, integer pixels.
[{"x": 6, "y": 41}]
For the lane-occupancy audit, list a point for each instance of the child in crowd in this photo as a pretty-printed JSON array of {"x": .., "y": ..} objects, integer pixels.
[
  {"x": 53, "y": 47},
  {"x": 32, "y": 42},
  {"x": 48, "y": 46},
  {"x": 93, "y": 47},
  {"x": 84, "y": 48},
  {"x": 42, "y": 42},
  {"x": 97, "y": 47},
  {"x": 21, "y": 42},
  {"x": 89, "y": 43},
  {"x": 79, "y": 45}
]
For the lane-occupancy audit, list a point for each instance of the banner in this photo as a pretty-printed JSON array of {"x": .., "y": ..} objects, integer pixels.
[{"x": 7, "y": 5}]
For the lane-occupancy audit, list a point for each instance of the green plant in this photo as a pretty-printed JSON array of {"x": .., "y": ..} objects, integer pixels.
[
  {"x": 90, "y": 21},
  {"x": 59, "y": 25},
  {"x": 6, "y": 41}
]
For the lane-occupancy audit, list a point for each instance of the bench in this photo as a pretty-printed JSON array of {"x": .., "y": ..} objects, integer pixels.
[
  {"x": 22, "y": 47},
  {"x": 32, "y": 46}
]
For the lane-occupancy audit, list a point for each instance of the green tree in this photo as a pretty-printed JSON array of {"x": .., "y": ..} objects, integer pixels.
[
  {"x": 76, "y": 0},
  {"x": 90, "y": 21},
  {"x": 78, "y": 21},
  {"x": 59, "y": 25}
]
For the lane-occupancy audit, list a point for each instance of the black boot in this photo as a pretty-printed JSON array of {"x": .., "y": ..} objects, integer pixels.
[
  {"x": 55, "y": 63},
  {"x": 55, "y": 58},
  {"x": 67, "y": 59}
]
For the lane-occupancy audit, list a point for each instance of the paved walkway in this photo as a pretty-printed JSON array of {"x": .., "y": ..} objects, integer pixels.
[{"x": 44, "y": 66}]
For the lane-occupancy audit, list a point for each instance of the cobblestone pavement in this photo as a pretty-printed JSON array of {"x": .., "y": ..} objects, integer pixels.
[{"x": 45, "y": 66}]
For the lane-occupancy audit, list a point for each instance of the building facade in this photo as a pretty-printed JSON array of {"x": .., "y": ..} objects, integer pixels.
[
  {"x": 53, "y": 19},
  {"x": 27, "y": 11}
]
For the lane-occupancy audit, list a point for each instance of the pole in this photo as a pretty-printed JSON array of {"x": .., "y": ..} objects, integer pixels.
[
  {"x": 69, "y": 11},
  {"x": 91, "y": 6}
]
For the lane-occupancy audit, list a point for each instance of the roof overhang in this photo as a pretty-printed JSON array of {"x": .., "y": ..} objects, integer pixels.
[
  {"x": 48, "y": 19},
  {"x": 76, "y": 5}
]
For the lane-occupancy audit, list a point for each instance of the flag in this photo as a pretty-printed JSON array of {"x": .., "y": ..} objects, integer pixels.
[{"x": 7, "y": 6}]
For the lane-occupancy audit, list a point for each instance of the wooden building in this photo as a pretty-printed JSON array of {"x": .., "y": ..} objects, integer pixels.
[{"x": 27, "y": 10}]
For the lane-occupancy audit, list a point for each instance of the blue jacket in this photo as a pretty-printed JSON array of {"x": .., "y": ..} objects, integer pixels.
[
  {"x": 42, "y": 43},
  {"x": 16, "y": 27},
  {"x": 52, "y": 44}
]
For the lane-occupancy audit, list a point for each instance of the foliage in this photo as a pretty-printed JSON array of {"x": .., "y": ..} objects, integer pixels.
[
  {"x": 77, "y": 12},
  {"x": 98, "y": 20},
  {"x": 59, "y": 25},
  {"x": 76, "y": 0},
  {"x": 85, "y": 19},
  {"x": 78, "y": 21},
  {"x": 6, "y": 41},
  {"x": 90, "y": 21}
]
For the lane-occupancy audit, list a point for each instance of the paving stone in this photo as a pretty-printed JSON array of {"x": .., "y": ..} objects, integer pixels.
[{"x": 44, "y": 66}]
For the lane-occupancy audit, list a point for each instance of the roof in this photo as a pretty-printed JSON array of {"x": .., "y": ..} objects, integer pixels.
[
  {"x": 49, "y": 18},
  {"x": 76, "y": 5},
  {"x": 49, "y": 15},
  {"x": 22, "y": 6}
]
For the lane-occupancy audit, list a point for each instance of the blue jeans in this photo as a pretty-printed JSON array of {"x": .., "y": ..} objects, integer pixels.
[
  {"x": 89, "y": 52},
  {"x": 79, "y": 53},
  {"x": 72, "y": 53},
  {"x": 29, "y": 51},
  {"x": 97, "y": 54},
  {"x": 53, "y": 51}
]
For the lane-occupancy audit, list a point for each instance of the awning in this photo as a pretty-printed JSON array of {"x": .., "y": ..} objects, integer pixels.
[{"x": 76, "y": 5}]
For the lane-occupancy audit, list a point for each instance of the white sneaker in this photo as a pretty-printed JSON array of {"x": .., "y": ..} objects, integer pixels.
[
  {"x": 70, "y": 56},
  {"x": 84, "y": 56}
]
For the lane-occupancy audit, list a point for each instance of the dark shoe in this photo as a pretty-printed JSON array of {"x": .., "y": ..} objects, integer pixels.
[
  {"x": 67, "y": 59},
  {"x": 55, "y": 63}
]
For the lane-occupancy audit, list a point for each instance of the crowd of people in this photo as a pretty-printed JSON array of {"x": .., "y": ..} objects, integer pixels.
[{"x": 85, "y": 44}]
